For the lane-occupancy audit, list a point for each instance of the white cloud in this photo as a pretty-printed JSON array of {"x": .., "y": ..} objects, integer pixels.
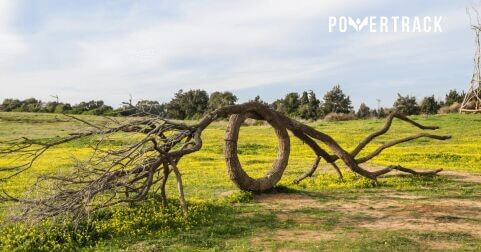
[
  {"x": 215, "y": 45},
  {"x": 210, "y": 44},
  {"x": 11, "y": 44}
]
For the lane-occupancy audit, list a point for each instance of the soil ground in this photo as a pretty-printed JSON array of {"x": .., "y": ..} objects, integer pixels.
[{"x": 387, "y": 210}]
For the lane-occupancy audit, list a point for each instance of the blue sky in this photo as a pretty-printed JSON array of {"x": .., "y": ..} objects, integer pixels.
[{"x": 82, "y": 50}]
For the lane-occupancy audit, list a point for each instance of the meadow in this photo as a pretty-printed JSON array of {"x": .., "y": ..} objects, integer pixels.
[{"x": 322, "y": 212}]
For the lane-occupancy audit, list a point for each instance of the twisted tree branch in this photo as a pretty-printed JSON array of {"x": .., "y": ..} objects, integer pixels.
[{"x": 128, "y": 173}]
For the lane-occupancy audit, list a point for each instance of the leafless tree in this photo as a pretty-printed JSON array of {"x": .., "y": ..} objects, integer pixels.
[{"x": 128, "y": 173}]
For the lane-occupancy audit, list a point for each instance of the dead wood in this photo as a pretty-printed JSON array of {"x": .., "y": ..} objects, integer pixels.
[{"x": 128, "y": 173}]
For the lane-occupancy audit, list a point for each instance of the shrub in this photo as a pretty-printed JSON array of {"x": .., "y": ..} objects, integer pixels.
[
  {"x": 332, "y": 117},
  {"x": 454, "y": 108}
]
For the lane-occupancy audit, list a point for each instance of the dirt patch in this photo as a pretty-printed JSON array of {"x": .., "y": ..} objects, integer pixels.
[
  {"x": 293, "y": 235},
  {"x": 418, "y": 214},
  {"x": 386, "y": 210},
  {"x": 424, "y": 224},
  {"x": 303, "y": 235},
  {"x": 462, "y": 176},
  {"x": 406, "y": 196},
  {"x": 380, "y": 210},
  {"x": 448, "y": 215},
  {"x": 286, "y": 201},
  {"x": 287, "y": 204},
  {"x": 443, "y": 245}
]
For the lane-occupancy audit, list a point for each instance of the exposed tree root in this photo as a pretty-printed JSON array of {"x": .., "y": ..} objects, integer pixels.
[{"x": 128, "y": 173}]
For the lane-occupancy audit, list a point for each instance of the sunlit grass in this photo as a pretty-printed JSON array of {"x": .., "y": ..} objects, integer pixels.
[
  {"x": 207, "y": 183},
  {"x": 205, "y": 173}
]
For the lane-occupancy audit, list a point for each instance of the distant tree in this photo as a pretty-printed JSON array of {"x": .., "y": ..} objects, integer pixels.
[
  {"x": 221, "y": 99},
  {"x": 314, "y": 104},
  {"x": 382, "y": 113},
  {"x": 278, "y": 105},
  {"x": 453, "y": 96},
  {"x": 309, "y": 110},
  {"x": 103, "y": 110},
  {"x": 429, "y": 105},
  {"x": 149, "y": 107},
  {"x": 304, "y": 98},
  {"x": 195, "y": 103},
  {"x": 55, "y": 107},
  {"x": 30, "y": 105},
  {"x": 50, "y": 107},
  {"x": 364, "y": 111},
  {"x": 406, "y": 105},
  {"x": 187, "y": 105},
  {"x": 63, "y": 108},
  {"x": 259, "y": 100},
  {"x": 11, "y": 104},
  {"x": 387, "y": 111},
  {"x": 91, "y": 108},
  {"x": 379, "y": 113},
  {"x": 173, "y": 109},
  {"x": 336, "y": 101},
  {"x": 125, "y": 110},
  {"x": 303, "y": 109},
  {"x": 289, "y": 105},
  {"x": 79, "y": 108}
]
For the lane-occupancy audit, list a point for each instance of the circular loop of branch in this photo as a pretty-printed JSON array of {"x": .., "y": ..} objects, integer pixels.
[{"x": 236, "y": 173}]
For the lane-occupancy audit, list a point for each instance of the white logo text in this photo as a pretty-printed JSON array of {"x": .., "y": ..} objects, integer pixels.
[{"x": 386, "y": 24}]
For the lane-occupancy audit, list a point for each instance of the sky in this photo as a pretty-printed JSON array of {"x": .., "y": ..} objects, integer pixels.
[{"x": 113, "y": 49}]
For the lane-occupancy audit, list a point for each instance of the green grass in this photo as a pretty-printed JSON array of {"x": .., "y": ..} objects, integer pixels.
[{"x": 222, "y": 218}]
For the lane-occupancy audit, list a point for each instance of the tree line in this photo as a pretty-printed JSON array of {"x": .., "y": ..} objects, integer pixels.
[{"x": 193, "y": 104}]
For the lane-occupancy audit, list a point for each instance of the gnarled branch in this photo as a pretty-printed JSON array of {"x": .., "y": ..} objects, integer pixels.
[{"x": 127, "y": 173}]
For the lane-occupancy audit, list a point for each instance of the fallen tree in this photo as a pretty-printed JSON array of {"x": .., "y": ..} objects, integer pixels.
[{"x": 128, "y": 173}]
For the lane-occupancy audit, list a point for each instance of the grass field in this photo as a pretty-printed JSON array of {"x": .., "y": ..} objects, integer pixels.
[{"x": 402, "y": 213}]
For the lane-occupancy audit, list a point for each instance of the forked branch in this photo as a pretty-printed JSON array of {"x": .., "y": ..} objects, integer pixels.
[{"x": 127, "y": 173}]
